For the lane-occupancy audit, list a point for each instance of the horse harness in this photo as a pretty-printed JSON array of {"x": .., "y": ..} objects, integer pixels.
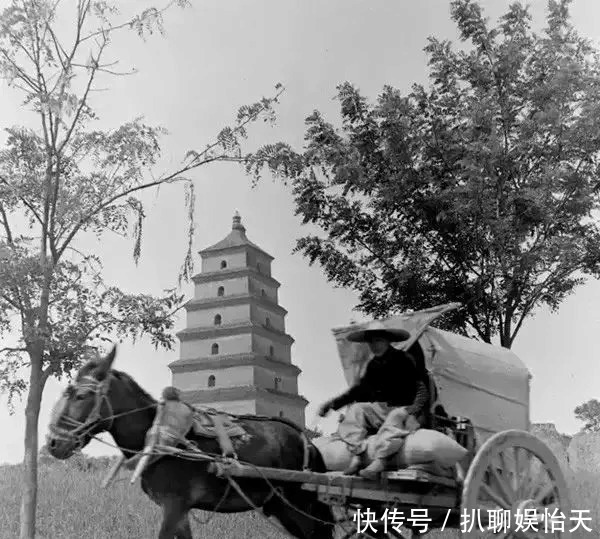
[
  {"x": 87, "y": 384},
  {"x": 100, "y": 390},
  {"x": 178, "y": 418}
]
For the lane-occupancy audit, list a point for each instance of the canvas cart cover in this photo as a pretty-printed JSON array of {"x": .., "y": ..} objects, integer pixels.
[{"x": 485, "y": 383}]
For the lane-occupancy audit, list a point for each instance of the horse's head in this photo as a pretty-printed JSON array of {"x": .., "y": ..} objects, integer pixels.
[{"x": 84, "y": 408}]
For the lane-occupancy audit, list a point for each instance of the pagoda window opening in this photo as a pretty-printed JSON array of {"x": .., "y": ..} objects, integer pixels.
[
  {"x": 258, "y": 267},
  {"x": 271, "y": 351},
  {"x": 262, "y": 292},
  {"x": 218, "y": 319},
  {"x": 280, "y": 413},
  {"x": 211, "y": 380},
  {"x": 214, "y": 349},
  {"x": 268, "y": 322},
  {"x": 277, "y": 380},
  {"x": 221, "y": 291},
  {"x": 223, "y": 264}
]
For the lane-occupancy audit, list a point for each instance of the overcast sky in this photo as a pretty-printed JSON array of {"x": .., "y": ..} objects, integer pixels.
[{"x": 222, "y": 54}]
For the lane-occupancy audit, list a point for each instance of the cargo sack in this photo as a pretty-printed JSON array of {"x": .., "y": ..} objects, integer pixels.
[
  {"x": 423, "y": 446},
  {"x": 334, "y": 451}
]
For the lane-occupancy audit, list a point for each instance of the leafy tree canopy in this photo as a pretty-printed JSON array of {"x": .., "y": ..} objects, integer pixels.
[
  {"x": 63, "y": 178},
  {"x": 480, "y": 188},
  {"x": 589, "y": 413}
]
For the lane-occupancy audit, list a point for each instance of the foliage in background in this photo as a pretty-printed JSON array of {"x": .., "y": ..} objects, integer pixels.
[
  {"x": 589, "y": 414},
  {"x": 65, "y": 179},
  {"x": 481, "y": 188}
]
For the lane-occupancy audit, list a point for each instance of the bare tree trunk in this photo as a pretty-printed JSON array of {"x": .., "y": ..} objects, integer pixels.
[
  {"x": 37, "y": 380},
  {"x": 30, "y": 461}
]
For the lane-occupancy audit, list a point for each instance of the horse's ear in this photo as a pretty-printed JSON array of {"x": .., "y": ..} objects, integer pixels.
[
  {"x": 106, "y": 363},
  {"x": 110, "y": 357}
]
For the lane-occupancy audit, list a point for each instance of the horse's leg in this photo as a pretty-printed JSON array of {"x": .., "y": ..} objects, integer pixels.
[
  {"x": 174, "y": 515},
  {"x": 287, "y": 518},
  {"x": 184, "y": 530},
  {"x": 313, "y": 520}
]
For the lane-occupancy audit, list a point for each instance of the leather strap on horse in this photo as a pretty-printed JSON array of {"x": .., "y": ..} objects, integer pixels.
[{"x": 224, "y": 440}]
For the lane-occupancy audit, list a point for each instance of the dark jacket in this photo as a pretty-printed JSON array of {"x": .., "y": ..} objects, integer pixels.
[{"x": 393, "y": 378}]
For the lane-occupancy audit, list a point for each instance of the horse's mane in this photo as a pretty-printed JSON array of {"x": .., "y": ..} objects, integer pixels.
[{"x": 127, "y": 379}]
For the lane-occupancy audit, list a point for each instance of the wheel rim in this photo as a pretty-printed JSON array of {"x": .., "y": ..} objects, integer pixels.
[{"x": 515, "y": 489}]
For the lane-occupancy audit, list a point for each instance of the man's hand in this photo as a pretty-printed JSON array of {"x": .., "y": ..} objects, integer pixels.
[
  {"x": 324, "y": 408},
  {"x": 401, "y": 413},
  {"x": 412, "y": 424}
]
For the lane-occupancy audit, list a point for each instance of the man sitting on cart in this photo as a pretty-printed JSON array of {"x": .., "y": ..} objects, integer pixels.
[{"x": 391, "y": 397}]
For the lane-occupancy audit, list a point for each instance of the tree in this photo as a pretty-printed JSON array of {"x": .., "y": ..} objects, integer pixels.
[
  {"x": 589, "y": 413},
  {"x": 481, "y": 188},
  {"x": 66, "y": 178}
]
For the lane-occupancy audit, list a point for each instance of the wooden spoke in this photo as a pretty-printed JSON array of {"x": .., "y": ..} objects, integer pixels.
[
  {"x": 507, "y": 491},
  {"x": 505, "y": 465},
  {"x": 498, "y": 500},
  {"x": 522, "y": 469}
]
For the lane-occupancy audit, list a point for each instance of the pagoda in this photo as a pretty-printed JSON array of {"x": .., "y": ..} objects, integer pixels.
[{"x": 235, "y": 354}]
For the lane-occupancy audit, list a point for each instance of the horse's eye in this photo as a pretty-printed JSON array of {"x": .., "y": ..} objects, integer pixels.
[{"x": 80, "y": 396}]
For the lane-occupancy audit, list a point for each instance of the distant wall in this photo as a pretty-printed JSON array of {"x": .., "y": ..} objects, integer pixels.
[
  {"x": 584, "y": 451},
  {"x": 580, "y": 452}
]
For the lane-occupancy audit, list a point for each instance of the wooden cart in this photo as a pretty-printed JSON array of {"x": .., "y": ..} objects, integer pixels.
[{"x": 509, "y": 485}]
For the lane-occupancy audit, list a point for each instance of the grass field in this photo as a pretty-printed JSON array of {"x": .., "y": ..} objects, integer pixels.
[{"x": 73, "y": 506}]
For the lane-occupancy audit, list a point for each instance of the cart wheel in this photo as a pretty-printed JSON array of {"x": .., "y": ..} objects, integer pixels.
[{"x": 515, "y": 488}]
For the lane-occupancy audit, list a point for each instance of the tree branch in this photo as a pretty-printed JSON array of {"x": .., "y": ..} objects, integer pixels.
[
  {"x": 172, "y": 178},
  {"x": 129, "y": 23},
  {"x": 9, "y": 237},
  {"x": 9, "y": 349},
  {"x": 241, "y": 126},
  {"x": 22, "y": 199},
  {"x": 29, "y": 81},
  {"x": 11, "y": 302},
  {"x": 83, "y": 100},
  {"x": 104, "y": 69},
  {"x": 57, "y": 46}
]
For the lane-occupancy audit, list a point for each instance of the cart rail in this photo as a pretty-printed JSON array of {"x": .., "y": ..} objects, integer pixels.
[{"x": 400, "y": 486}]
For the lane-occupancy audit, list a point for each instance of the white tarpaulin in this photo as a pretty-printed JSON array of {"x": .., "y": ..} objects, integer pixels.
[{"x": 485, "y": 383}]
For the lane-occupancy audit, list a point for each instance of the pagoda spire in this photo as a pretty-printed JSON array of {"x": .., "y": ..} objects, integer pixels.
[{"x": 237, "y": 222}]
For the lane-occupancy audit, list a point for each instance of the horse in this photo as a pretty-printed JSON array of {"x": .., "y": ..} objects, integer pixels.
[{"x": 103, "y": 399}]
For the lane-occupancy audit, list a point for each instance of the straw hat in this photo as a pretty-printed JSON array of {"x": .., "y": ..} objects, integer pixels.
[{"x": 378, "y": 329}]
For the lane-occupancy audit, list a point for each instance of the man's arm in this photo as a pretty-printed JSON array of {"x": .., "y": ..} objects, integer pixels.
[
  {"x": 348, "y": 397},
  {"x": 421, "y": 399}
]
